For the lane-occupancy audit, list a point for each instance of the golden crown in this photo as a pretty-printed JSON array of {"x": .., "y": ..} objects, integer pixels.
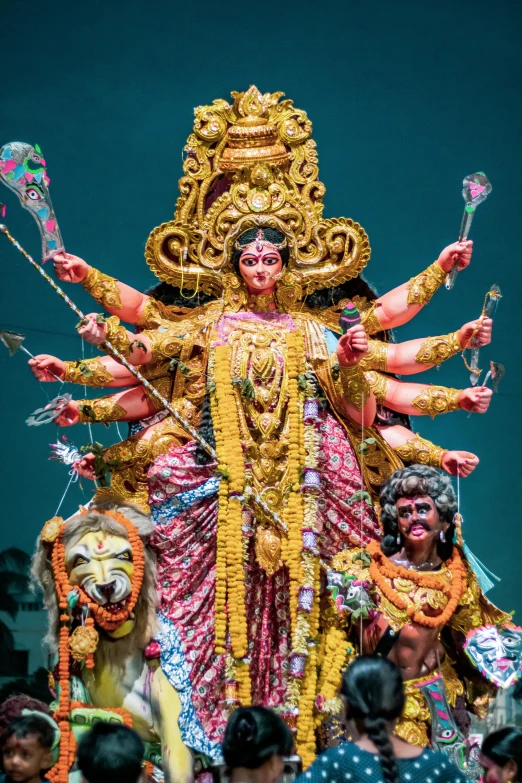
[{"x": 246, "y": 165}]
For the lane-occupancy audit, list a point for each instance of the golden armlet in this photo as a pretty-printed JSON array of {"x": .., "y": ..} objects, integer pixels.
[
  {"x": 355, "y": 387},
  {"x": 370, "y": 321},
  {"x": 378, "y": 384},
  {"x": 89, "y": 372},
  {"x": 104, "y": 409},
  {"x": 434, "y": 400},
  {"x": 103, "y": 288},
  {"x": 117, "y": 335},
  {"x": 423, "y": 286},
  {"x": 435, "y": 350},
  {"x": 421, "y": 451},
  {"x": 376, "y": 357}
]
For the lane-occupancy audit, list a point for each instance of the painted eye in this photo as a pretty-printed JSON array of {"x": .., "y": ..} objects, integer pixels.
[
  {"x": 124, "y": 556},
  {"x": 447, "y": 734},
  {"x": 34, "y": 193},
  {"x": 79, "y": 560},
  {"x": 36, "y": 157}
]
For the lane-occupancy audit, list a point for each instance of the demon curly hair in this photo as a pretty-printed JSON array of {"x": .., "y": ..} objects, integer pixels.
[{"x": 411, "y": 481}]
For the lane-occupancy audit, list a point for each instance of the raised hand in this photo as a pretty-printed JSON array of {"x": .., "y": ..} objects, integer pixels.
[
  {"x": 44, "y": 367},
  {"x": 85, "y": 466},
  {"x": 69, "y": 268},
  {"x": 352, "y": 346},
  {"x": 460, "y": 463},
  {"x": 456, "y": 253},
  {"x": 91, "y": 331},
  {"x": 475, "y": 400},
  {"x": 69, "y": 416},
  {"x": 481, "y": 337}
]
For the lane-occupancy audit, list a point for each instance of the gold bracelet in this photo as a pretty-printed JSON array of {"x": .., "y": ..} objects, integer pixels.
[
  {"x": 370, "y": 320},
  {"x": 117, "y": 335},
  {"x": 164, "y": 343},
  {"x": 378, "y": 384},
  {"x": 89, "y": 372},
  {"x": 103, "y": 409},
  {"x": 103, "y": 288},
  {"x": 421, "y": 451},
  {"x": 376, "y": 357},
  {"x": 423, "y": 286},
  {"x": 435, "y": 350},
  {"x": 434, "y": 400},
  {"x": 354, "y": 385}
]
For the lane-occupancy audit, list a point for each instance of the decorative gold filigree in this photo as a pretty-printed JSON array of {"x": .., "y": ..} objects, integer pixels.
[
  {"x": 88, "y": 372},
  {"x": 423, "y": 286},
  {"x": 378, "y": 384},
  {"x": 103, "y": 288},
  {"x": 369, "y": 318},
  {"x": 356, "y": 388},
  {"x": 434, "y": 400},
  {"x": 417, "y": 450},
  {"x": 268, "y": 550},
  {"x": 376, "y": 357},
  {"x": 83, "y": 642},
  {"x": 261, "y": 303},
  {"x": 250, "y": 165},
  {"x": 117, "y": 335},
  {"x": 104, "y": 409},
  {"x": 435, "y": 350},
  {"x": 164, "y": 343}
]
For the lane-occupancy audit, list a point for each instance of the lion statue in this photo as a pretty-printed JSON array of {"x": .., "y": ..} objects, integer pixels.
[{"x": 99, "y": 559}]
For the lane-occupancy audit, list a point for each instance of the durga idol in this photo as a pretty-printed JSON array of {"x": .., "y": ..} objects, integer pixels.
[{"x": 244, "y": 337}]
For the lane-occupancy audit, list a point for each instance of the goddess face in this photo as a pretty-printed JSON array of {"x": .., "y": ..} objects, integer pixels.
[
  {"x": 418, "y": 520},
  {"x": 102, "y": 565},
  {"x": 260, "y": 265}
]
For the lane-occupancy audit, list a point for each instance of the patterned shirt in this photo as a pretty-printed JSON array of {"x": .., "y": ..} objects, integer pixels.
[{"x": 348, "y": 763}]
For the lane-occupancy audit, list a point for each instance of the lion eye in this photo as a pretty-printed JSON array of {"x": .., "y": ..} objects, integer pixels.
[
  {"x": 79, "y": 560},
  {"x": 125, "y": 555}
]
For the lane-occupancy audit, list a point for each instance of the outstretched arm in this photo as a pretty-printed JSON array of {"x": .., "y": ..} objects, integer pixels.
[
  {"x": 130, "y": 405},
  {"x": 413, "y": 449},
  {"x": 414, "y": 356},
  {"x": 424, "y": 399},
  {"x": 115, "y": 297},
  {"x": 100, "y": 371},
  {"x": 400, "y": 305}
]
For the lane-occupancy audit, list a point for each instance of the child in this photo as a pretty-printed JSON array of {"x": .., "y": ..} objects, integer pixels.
[
  {"x": 111, "y": 753},
  {"x": 27, "y": 748}
]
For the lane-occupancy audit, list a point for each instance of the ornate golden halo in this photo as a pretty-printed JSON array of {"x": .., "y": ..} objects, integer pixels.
[{"x": 253, "y": 164}]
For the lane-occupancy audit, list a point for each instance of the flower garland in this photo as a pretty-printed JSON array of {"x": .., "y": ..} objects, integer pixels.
[
  {"x": 334, "y": 655},
  {"x": 382, "y": 569},
  {"x": 230, "y": 572}
]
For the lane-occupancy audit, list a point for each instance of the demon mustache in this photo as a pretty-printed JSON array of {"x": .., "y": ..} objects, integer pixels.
[{"x": 420, "y": 522}]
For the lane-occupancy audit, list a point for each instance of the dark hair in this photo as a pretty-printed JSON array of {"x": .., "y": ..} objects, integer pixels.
[
  {"x": 31, "y": 724},
  {"x": 504, "y": 745},
  {"x": 374, "y": 694},
  {"x": 12, "y": 708},
  {"x": 411, "y": 481},
  {"x": 253, "y": 735},
  {"x": 172, "y": 295},
  {"x": 110, "y": 753}
]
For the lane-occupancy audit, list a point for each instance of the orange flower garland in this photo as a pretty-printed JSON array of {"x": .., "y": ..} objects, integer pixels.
[{"x": 381, "y": 569}]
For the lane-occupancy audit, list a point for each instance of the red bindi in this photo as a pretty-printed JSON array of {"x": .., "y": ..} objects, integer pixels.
[{"x": 100, "y": 544}]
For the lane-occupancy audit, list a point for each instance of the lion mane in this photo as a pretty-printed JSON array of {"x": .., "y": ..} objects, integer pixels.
[{"x": 111, "y": 652}]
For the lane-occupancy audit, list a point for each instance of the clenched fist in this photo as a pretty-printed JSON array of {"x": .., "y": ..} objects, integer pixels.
[
  {"x": 44, "y": 367},
  {"x": 482, "y": 336},
  {"x": 91, "y": 330},
  {"x": 459, "y": 463},
  {"x": 69, "y": 268},
  {"x": 352, "y": 346},
  {"x": 456, "y": 253},
  {"x": 475, "y": 400}
]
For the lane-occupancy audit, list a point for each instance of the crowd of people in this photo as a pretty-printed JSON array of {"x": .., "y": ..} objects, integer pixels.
[{"x": 258, "y": 743}]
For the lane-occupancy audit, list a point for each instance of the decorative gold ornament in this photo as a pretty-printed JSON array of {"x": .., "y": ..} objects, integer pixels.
[
  {"x": 417, "y": 450},
  {"x": 268, "y": 550},
  {"x": 423, "y": 286},
  {"x": 83, "y": 642},
  {"x": 117, "y": 335},
  {"x": 378, "y": 384},
  {"x": 88, "y": 372},
  {"x": 51, "y": 530},
  {"x": 435, "y": 350},
  {"x": 369, "y": 318},
  {"x": 376, "y": 357},
  {"x": 434, "y": 400},
  {"x": 261, "y": 303},
  {"x": 104, "y": 409},
  {"x": 356, "y": 388},
  {"x": 251, "y": 165},
  {"x": 103, "y": 288}
]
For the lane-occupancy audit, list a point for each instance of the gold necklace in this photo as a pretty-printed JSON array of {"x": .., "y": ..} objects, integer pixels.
[{"x": 260, "y": 303}]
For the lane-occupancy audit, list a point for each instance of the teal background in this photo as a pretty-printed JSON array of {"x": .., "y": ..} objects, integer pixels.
[{"x": 406, "y": 98}]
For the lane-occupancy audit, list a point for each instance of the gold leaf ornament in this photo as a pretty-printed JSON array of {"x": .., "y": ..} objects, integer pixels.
[
  {"x": 83, "y": 642},
  {"x": 51, "y": 530}
]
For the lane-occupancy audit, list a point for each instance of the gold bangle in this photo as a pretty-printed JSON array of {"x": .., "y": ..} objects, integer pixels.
[
  {"x": 103, "y": 409},
  {"x": 434, "y": 400},
  {"x": 421, "y": 451},
  {"x": 423, "y": 286},
  {"x": 378, "y": 384},
  {"x": 370, "y": 320},
  {"x": 356, "y": 388},
  {"x": 376, "y": 357},
  {"x": 89, "y": 372},
  {"x": 117, "y": 335},
  {"x": 103, "y": 288},
  {"x": 435, "y": 350}
]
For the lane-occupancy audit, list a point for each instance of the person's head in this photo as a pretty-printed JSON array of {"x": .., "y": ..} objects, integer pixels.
[
  {"x": 27, "y": 746},
  {"x": 259, "y": 257},
  {"x": 14, "y": 706},
  {"x": 256, "y": 738},
  {"x": 111, "y": 753},
  {"x": 501, "y": 756},
  {"x": 373, "y": 694},
  {"x": 418, "y": 507}
]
